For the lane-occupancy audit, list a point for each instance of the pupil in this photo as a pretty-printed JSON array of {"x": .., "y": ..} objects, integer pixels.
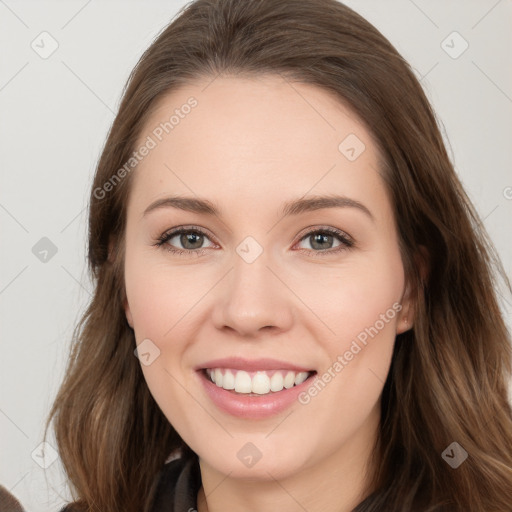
[
  {"x": 319, "y": 238},
  {"x": 191, "y": 240}
]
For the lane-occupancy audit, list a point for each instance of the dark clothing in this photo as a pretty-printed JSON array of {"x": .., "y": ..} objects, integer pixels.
[
  {"x": 177, "y": 486},
  {"x": 179, "y": 483}
]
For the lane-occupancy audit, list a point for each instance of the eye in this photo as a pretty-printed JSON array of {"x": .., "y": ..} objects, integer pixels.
[
  {"x": 191, "y": 240},
  {"x": 326, "y": 240}
]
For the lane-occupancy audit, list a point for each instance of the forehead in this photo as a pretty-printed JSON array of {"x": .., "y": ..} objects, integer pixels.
[{"x": 249, "y": 138}]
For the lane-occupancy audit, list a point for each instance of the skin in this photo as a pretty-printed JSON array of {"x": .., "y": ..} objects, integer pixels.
[{"x": 249, "y": 146}]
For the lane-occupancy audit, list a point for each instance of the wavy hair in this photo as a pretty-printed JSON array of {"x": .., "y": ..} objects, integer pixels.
[{"x": 449, "y": 374}]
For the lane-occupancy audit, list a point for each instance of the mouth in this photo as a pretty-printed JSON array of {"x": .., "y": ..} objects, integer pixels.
[
  {"x": 257, "y": 382},
  {"x": 253, "y": 388}
]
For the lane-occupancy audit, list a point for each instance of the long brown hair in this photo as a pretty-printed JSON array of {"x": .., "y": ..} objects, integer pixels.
[{"x": 449, "y": 374}]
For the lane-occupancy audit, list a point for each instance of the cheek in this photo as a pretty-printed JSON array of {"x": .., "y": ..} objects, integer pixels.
[
  {"x": 158, "y": 294},
  {"x": 159, "y": 301},
  {"x": 352, "y": 298},
  {"x": 362, "y": 308},
  {"x": 367, "y": 302},
  {"x": 360, "y": 304}
]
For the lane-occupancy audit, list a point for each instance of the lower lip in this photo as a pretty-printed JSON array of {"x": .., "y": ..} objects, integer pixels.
[{"x": 252, "y": 406}]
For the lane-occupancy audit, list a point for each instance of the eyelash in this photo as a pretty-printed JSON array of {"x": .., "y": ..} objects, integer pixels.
[{"x": 346, "y": 241}]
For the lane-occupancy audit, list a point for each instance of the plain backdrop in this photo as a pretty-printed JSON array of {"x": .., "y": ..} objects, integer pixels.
[{"x": 55, "y": 113}]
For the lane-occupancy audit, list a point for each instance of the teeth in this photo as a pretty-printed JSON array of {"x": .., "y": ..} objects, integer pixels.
[
  {"x": 260, "y": 383},
  {"x": 242, "y": 382},
  {"x": 289, "y": 380},
  {"x": 300, "y": 378},
  {"x": 228, "y": 381},
  {"x": 276, "y": 382},
  {"x": 218, "y": 377}
]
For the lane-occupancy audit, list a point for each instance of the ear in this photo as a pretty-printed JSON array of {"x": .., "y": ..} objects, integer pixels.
[
  {"x": 405, "y": 320},
  {"x": 409, "y": 306}
]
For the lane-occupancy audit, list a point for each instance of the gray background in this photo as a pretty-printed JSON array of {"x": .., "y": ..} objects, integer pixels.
[{"x": 55, "y": 113}]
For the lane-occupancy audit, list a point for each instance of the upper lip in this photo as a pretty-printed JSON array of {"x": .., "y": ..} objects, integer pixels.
[{"x": 239, "y": 363}]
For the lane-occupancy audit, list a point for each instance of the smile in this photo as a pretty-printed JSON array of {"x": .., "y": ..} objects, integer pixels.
[
  {"x": 259, "y": 382},
  {"x": 253, "y": 389}
]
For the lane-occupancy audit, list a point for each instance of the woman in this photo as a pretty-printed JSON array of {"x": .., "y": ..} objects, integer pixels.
[{"x": 277, "y": 231}]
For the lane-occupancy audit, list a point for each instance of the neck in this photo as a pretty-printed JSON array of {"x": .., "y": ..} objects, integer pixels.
[{"x": 337, "y": 482}]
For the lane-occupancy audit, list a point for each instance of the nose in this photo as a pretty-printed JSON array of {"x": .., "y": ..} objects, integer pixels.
[{"x": 251, "y": 300}]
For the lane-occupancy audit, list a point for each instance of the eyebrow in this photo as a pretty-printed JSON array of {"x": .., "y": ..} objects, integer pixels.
[{"x": 295, "y": 207}]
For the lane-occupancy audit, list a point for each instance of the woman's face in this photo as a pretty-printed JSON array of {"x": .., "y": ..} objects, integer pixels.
[{"x": 277, "y": 280}]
